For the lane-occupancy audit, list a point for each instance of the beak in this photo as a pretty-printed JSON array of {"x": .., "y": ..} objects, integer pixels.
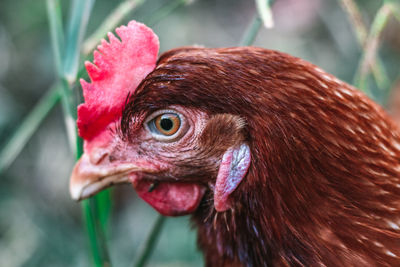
[{"x": 88, "y": 178}]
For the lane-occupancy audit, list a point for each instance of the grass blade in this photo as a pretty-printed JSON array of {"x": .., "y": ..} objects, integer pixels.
[
  {"x": 94, "y": 227},
  {"x": 150, "y": 243},
  {"x": 96, "y": 220},
  {"x": 35, "y": 117},
  {"x": 165, "y": 10},
  {"x": 371, "y": 46},
  {"x": 69, "y": 115},
  {"x": 252, "y": 31},
  {"x": 80, "y": 14},
  {"x": 255, "y": 25},
  {"x": 265, "y": 13},
  {"x": 57, "y": 37},
  {"x": 56, "y": 31},
  {"x": 92, "y": 209},
  {"x": 28, "y": 127},
  {"x": 112, "y": 21},
  {"x": 354, "y": 14}
]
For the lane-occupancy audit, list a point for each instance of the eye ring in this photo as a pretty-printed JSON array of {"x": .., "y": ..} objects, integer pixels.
[{"x": 166, "y": 125}]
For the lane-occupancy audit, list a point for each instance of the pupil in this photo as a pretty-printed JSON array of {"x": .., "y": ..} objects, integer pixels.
[{"x": 166, "y": 124}]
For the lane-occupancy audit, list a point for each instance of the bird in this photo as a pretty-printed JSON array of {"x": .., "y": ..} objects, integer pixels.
[{"x": 278, "y": 162}]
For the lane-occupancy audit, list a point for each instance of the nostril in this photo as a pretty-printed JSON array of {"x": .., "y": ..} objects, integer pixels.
[
  {"x": 111, "y": 158},
  {"x": 98, "y": 155}
]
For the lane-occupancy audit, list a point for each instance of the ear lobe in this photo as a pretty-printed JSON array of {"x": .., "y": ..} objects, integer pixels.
[{"x": 234, "y": 165}]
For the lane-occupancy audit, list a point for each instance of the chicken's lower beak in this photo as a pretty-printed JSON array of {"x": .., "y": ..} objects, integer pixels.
[{"x": 87, "y": 178}]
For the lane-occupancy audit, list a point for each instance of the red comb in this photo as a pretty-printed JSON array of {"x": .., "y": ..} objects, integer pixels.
[{"x": 117, "y": 69}]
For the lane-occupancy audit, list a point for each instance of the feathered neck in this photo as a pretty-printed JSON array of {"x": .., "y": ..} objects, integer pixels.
[{"x": 323, "y": 187}]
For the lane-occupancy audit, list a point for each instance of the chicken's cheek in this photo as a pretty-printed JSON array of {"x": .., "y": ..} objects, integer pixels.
[
  {"x": 168, "y": 198},
  {"x": 233, "y": 168}
]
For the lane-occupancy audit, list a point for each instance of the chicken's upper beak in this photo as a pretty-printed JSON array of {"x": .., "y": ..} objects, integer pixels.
[{"x": 88, "y": 178}]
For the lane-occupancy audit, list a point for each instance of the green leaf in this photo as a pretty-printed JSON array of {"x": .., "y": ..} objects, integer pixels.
[
  {"x": 94, "y": 209},
  {"x": 265, "y": 13},
  {"x": 28, "y": 127},
  {"x": 150, "y": 243},
  {"x": 56, "y": 31},
  {"x": 369, "y": 56},
  {"x": 97, "y": 238},
  {"x": 378, "y": 69},
  {"x": 112, "y": 21},
  {"x": 165, "y": 10},
  {"x": 252, "y": 31},
  {"x": 80, "y": 13}
]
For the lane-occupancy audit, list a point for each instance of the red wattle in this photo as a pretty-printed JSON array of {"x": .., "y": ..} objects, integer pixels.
[{"x": 170, "y": 198}]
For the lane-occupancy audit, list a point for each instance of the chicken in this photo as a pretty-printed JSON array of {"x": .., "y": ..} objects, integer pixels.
[{"x": 279, "y": 162}]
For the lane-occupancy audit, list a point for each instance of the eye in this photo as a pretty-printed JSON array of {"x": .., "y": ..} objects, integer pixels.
[
  {"x": 165, "y": 124},
  {"x": 168, "y": 123}
]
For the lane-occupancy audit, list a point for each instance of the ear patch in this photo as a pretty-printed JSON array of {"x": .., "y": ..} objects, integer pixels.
[
  {"x": 223, "y": 131},
  {"x": 234, "y": 165}
]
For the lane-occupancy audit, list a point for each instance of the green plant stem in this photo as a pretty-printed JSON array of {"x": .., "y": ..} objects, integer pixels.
[
  {"x": 265, "y": 13},
  {"x": 57, "y": 37},
  {"x": 251, "y": 31},
  {"x": 68, "y": 68},
  {"x": 150, "y": 243},
  {"x": 56, "y": 31},
  {"x": 371, "y": 47},
  {"x": 80, "y": 13},
  {"x": 94, "y": 227},
  {"x": 165, "y": 10},
  {"x": 69, "y": 114},
  {"x": 394, "y": 5},
  {"x": 354, "y": 14},
  {"x": 34, "y": 118},
  {"x": 94, "y": 222},
  {"x": 255, "y": 25},
  {"x": 112, "y": 21},
  {"x": 28, "y": 127},
  {"x": 18, "y": 140}
]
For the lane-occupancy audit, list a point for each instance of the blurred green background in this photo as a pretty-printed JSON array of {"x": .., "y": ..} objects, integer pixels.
[{"x": 39, "y": 223}]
